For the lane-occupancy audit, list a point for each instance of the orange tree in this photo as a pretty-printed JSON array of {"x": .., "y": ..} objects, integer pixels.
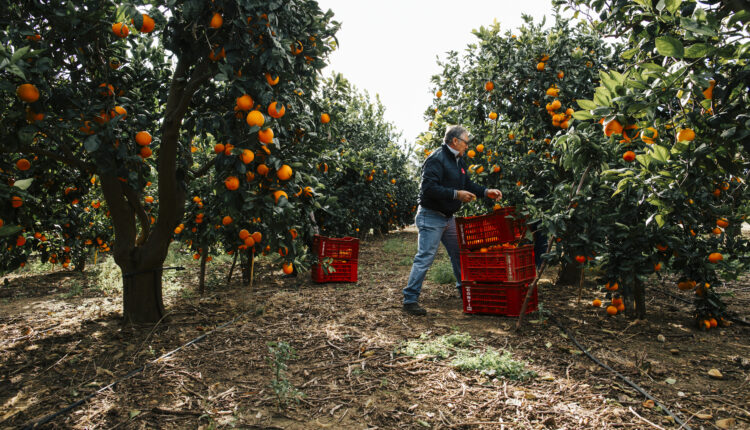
[
  {"x": 368, "y": 179},
  {"x": 677, "y": 117},
  {"x": 123, "y": 89},
  {"x": 515, "y": 92},
  {"x": 586, "y": 188}
]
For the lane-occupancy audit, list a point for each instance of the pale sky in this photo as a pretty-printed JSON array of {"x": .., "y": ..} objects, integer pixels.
[{"x": 390, "y": 47}]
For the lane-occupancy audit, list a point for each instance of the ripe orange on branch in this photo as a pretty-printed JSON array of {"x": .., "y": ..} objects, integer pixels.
[
  {"x": 265, "y": 135},
  {"x": 686, "y": 135},
  {"x": 271, "y": 80},
  {"x": 628, "y": 156},
  {"x": 23, "y": 164},
  {"x": 27, "y": 93},
  {"x": 274, "y": 113},
  {"x": 244, "y": 102},
  {"x": 143, "y": 138},
  {"x": 120, "y": 29},
  {"x": 232, "y": 183},
  {"x": 715, "y": 257},
  {"x": 255, "y": 118},
  {"x": 284, "y": 173},
  {"x": 325, "y": 118},
  {"x": 148, "y": 24},
  {"x": 489, "y": 86},
  {"x": 216, "y": 20}
]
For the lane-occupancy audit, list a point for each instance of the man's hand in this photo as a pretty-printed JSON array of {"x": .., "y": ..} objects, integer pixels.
[
  {"x": 465, "y": 196},
  {"x": 494, "y": 194}
]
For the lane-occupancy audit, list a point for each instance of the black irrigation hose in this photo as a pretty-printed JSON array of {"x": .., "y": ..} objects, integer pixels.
[
  {"x": 132, "y": 373},
  {"x": 619, "y": 375}
]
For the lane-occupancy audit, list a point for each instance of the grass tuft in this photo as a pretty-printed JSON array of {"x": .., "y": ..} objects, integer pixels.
[
  {"x": 441, "y": 272},
  {"x": 492, "y": 364}
]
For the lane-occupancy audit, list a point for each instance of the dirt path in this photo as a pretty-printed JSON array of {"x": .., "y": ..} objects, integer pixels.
[{"x": 347, "y": 339}]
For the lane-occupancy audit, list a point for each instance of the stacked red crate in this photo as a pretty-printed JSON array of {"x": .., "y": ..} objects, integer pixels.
[
  {"x": 341, "y": 254},
  {"x": 495, "y": 271}
]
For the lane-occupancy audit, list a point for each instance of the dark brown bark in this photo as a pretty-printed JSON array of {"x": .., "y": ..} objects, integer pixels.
[
  {"x": 142, "y": 297},
  {"x": 246, "y": 265},
  {"x": 231, "y": 269},
  {"x": 570, "y": 274},
  {"x": 202, "y": 280},
  {"x": 639, "y": 294},
  {"x": 80, "y": 262}
]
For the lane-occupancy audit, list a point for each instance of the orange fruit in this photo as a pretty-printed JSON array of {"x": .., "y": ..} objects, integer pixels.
[
  {"x": 249, "y": 241},
  {"x": 581, "y": 259},
  {"x": 716, "y": 231},
  {"x": 489, "y": 86},
  {"x": 560, "y": 74},
  {"x": 216, "y": 56},
  {"x": 216, "y": 20},
  {"x": 284, "y": 172},
  {"x": 439, "y": 94},
  {"x": 244, "y": 102},
  {"x": 276, "y": 113},
  {"x": 661, "y": 247},
  {"x": 149, "y": 199},
  {"x": 145, "y": 152},
  {"x": 2, "y": 222},
  {"x": 232, "y": 183},
  {"x": 106, "y": 90},
  {"x": 540, "y": 66},
  {"x": 297, "y": 48},
  {"x": 686, "y": 285},
  {"x": 611, "y": 310},
  {"x": 308, "y": 191},
  {"x": 293, "y": 232},
  {"x": 613, "y": 287},
  {"x": 325, "y": 118},
  {"x": 722, "y": 222},
  {"x": 219, "y": 148},
  {"x": 120, "y": 29},
  {"x": 244, "y": 234},
  {"x": 257, "y": 236},
  {"x": 628, "y": 156},
  {"x": 279, "y": 194},
  {"x": 23, "y": 164},
  {"x": 255, "y": 118},
  {"x": 621, "y": 307},
  {"x": 713, "y": 322},
  {"x": 612, "y": 127},
  {"x": 617, "y": 301},
  {"x": 20, "y": 241},
  {"x": 649, "y": 134},
  {"x": 16, "y": 202},
  {"x": 657, "y": 267},
  {"x": 596, "y": 303},
  {"x": 119, "y": 110},
  {"x": 495, "y": 168},
  {"x": 262, "y": 169},
  {"x": 265, "y": 135},
  {"x": 686, "y": 135},
  {"x": 471, "y": 153},
  {"x": 247, "y": 156},
  {"x": 226, "y": 220},
  {"x": 148, "y": 24},
  {"x": 288, "y": 268},
  {"x": 27, "y": 93},
  {"x": 143, "y": 138},
  {"x": 715, "y": 257},
  {"x": 492, "y": 116},
  {"x": 552, "y": 92},
  {"x": 708, "y": 93},
  {"x": 271, "y": 81}
]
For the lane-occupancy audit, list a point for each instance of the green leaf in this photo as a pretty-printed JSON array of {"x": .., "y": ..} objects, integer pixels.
[
  {"x": 741, "y": 16},
  {"x": 673, "y": 5},
  {"x": 660, "y": 153},
  {"x": 653, "y": 66},
  {"x": 19, "y": 53},
  {"x": 668, "y": 46},
  {"x": 660, "y": 221},
  {"x": 644, "y": 159},
  {"x": 9, "y": 230},
  {"x": 630, "y": 53},
  {"x": 91, "y": 143},
  {"x": 698, "y": 50},
  {"x": 695, "y": 27},
  {"x": 582, "y": 115},
  {"x": 23, "y": 184},
  {"x": 587, "y": 104}
]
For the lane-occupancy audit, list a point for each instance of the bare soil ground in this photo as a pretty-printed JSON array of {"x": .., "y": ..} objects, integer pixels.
[{"x": 56, "y": 349}]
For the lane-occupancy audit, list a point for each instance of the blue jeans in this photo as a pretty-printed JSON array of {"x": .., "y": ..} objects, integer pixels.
[{"x": 434, "y": 227}]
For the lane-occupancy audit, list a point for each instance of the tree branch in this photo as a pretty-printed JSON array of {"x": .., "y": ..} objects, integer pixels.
[
  {"x": 203, "y": 170},
  {"x": 68, "y": 159},
  {"x": 140, "y": 212}
]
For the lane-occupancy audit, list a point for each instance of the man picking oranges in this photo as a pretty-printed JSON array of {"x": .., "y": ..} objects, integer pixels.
[{"x": 445, "y": 185}]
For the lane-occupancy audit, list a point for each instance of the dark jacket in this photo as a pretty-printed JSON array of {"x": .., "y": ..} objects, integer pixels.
[{"x": 441, "y": 176}]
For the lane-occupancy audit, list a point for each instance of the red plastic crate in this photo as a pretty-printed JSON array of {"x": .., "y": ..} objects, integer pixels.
[
  {"x": 483, "y": 231},
  {"x": 345, "y": 248},
  {"x": 497, "y": 299},
  {"x": 345, "y": 271},
  {"x": 505, "y": 265}
]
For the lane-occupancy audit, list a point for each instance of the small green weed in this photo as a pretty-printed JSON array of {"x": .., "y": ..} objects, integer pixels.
[
  {"x": 493, "y": 364},
  {"x": 280, "y": 353},
  {"x": 442, "y": 347},
  {"x": 489, "y": 362},
  {"x": 108, "y": 276},
  {"x": 400, "y": 247},
  {"x": 442, "y": 273},
  {"x": 76, "y": 288},
  {"x": 406, "y": 261}
]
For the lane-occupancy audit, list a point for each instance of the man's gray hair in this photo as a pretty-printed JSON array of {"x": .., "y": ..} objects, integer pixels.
[{"x": 453, "y": 131}]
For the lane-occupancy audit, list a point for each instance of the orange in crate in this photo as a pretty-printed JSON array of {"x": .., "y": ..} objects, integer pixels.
[
  {"x": 501, "y": 264},
  {"x": 489, "y": 230}
]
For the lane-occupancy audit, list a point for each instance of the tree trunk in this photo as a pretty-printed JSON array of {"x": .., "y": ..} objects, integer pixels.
[
  {"x": 81, "y": 262},
  {"x": 202, "y": 281},
  {"x": 570, "y": 274},
  {"x": 639, "y": 294},
  {"x": 142, "y": 297},
  {"x": 247, "y": 263},
  {"x": 231, "y": 269}
]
